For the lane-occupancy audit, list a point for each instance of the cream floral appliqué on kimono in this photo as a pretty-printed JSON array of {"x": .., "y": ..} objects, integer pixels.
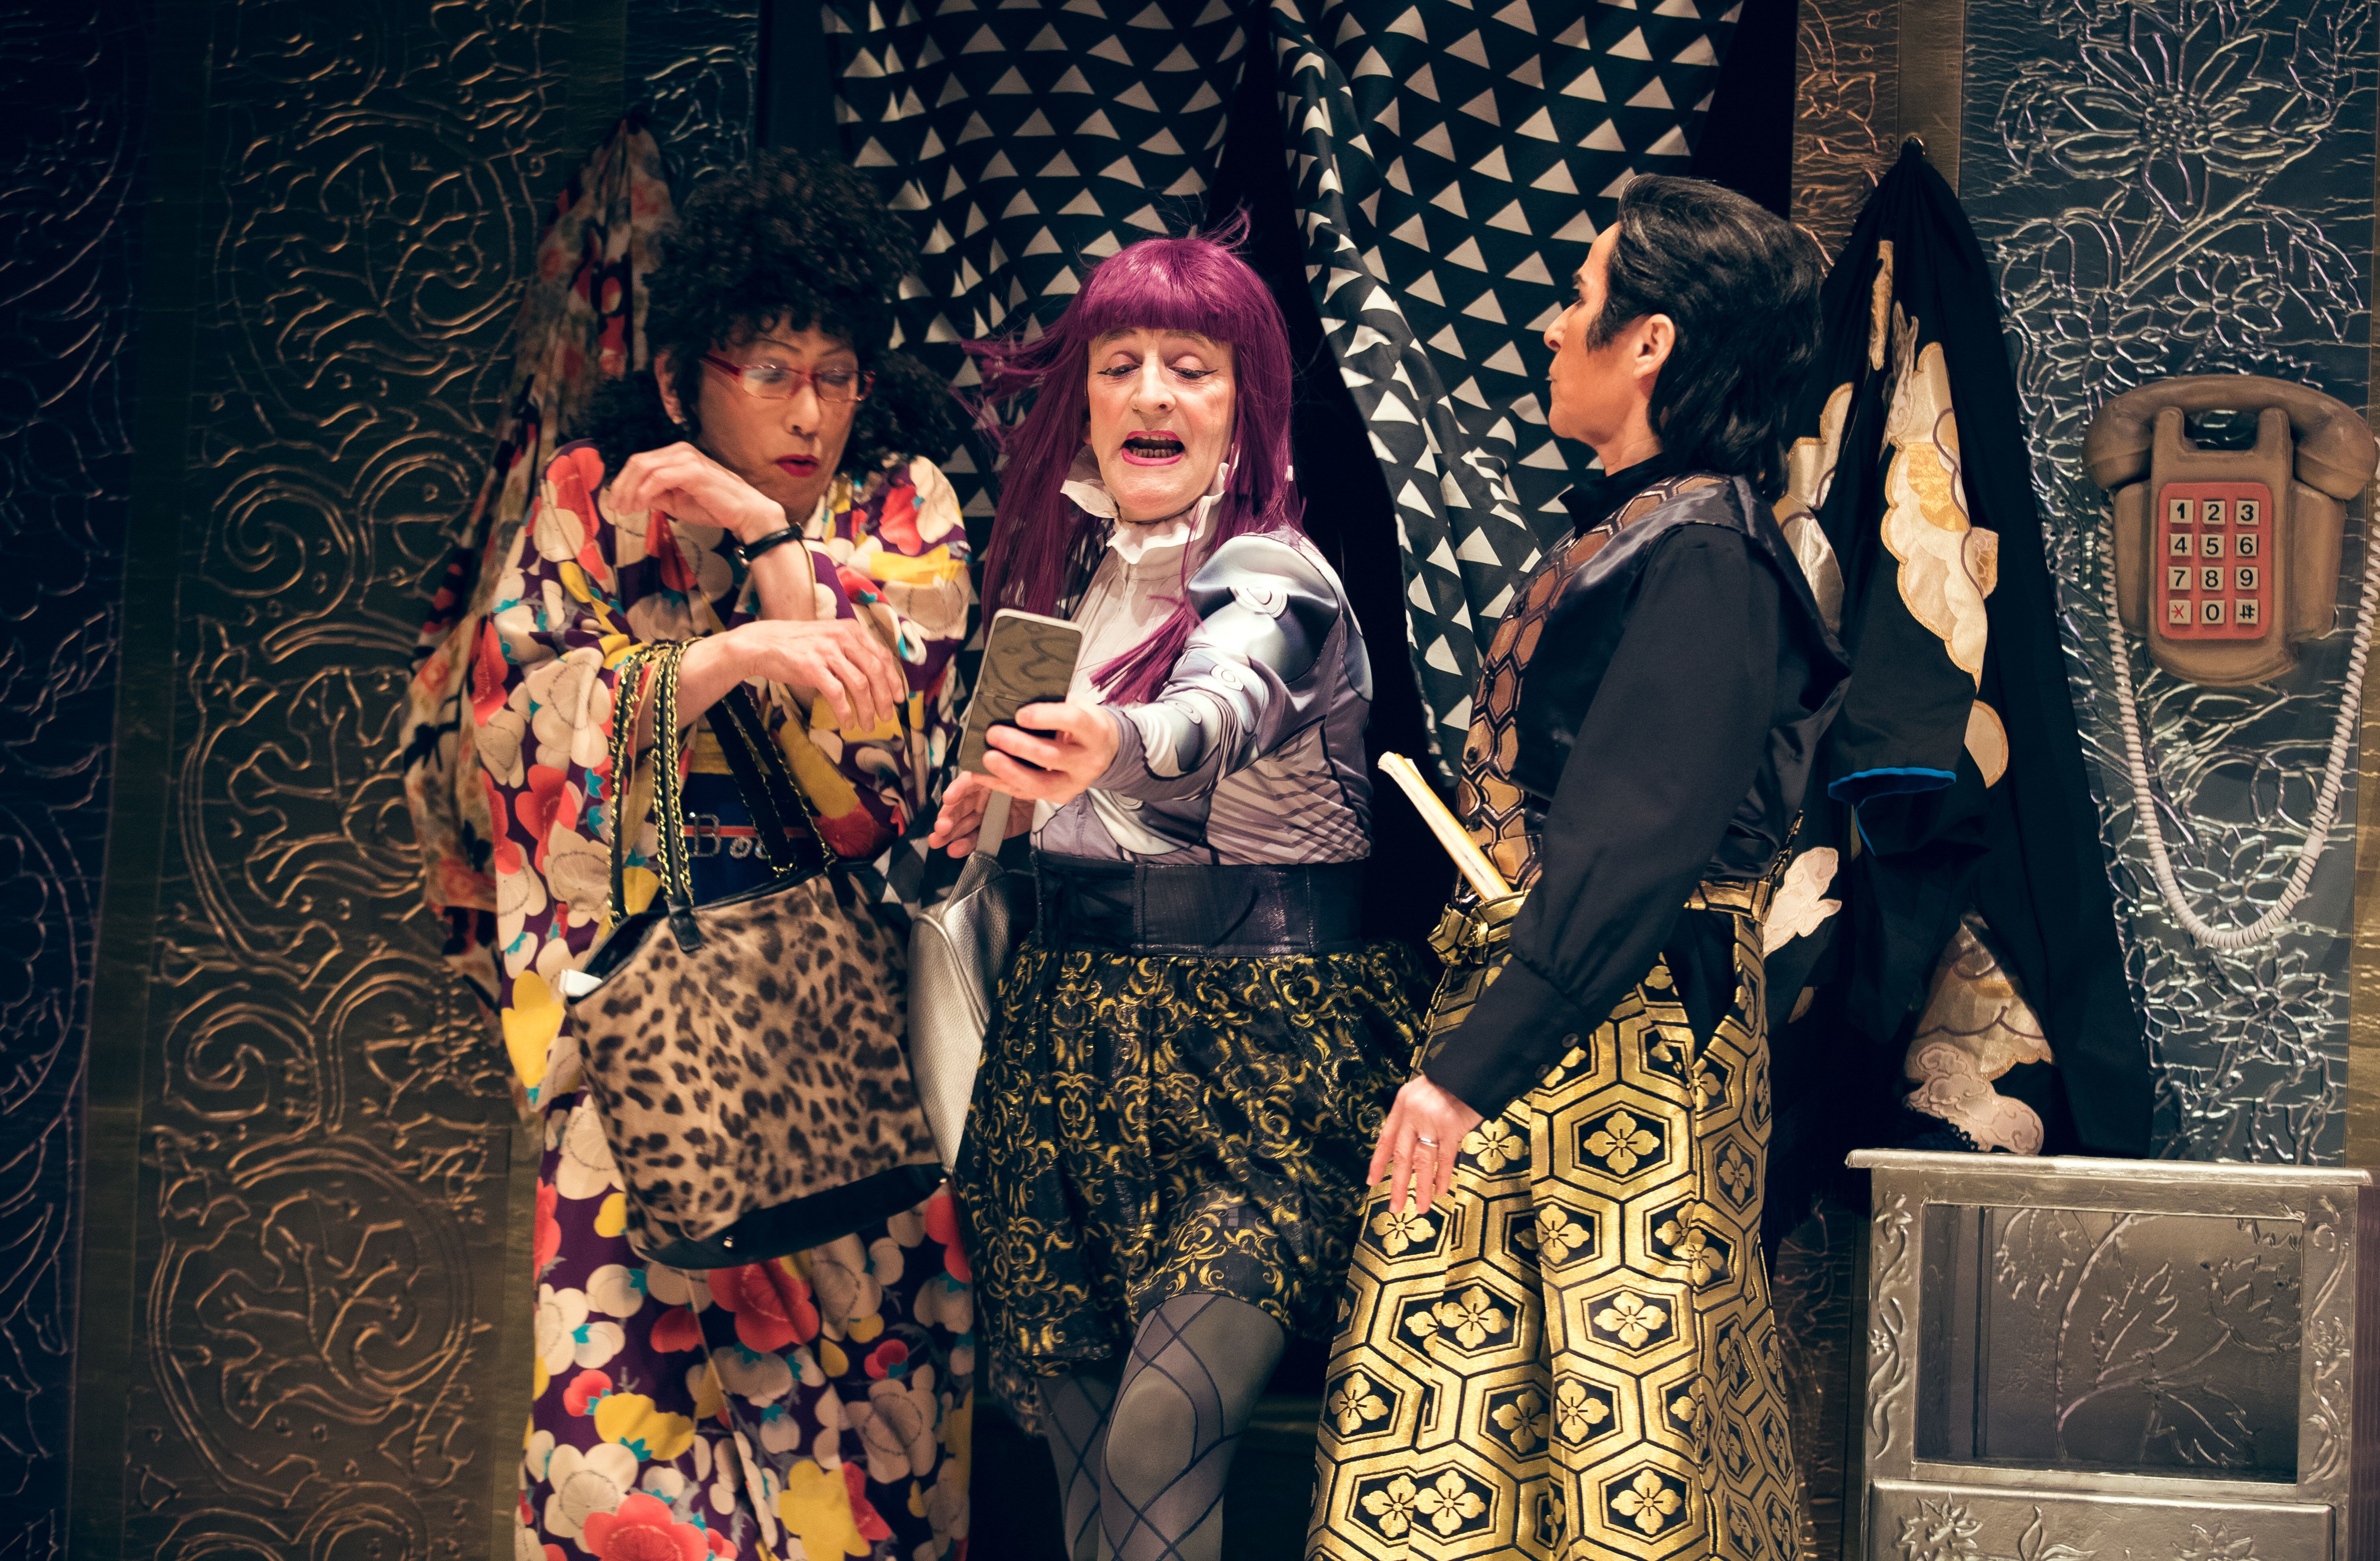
[
  {"x": 1809, "y": 475},
  {"x": 1948, "y": 566},
  {"x": 1801, "y": 905}
]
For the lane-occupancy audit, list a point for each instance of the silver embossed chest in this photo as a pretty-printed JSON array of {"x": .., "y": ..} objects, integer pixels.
[{"x": 2076, "y": 1360}]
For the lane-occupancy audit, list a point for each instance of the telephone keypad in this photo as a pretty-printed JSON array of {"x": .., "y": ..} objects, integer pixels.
[{"x": 2210, "y": 589}]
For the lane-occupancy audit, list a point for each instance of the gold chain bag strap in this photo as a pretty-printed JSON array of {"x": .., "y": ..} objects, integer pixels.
[{"x": 746, "y": 1052}]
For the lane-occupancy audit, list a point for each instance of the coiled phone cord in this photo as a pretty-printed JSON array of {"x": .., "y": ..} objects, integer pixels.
[{"x": 2333, "y": 773}]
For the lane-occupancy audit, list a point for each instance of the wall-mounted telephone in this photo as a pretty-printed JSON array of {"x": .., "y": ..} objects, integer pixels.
[{"x": 2226, "y": 560}]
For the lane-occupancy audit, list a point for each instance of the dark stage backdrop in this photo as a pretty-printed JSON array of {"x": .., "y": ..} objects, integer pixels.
[
  {"x": 260, "y": 265},
  {"x": 69, "y": 210}
]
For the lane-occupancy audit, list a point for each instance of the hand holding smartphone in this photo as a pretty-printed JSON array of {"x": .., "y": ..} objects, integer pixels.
[{"x": 1028, "y": 658}]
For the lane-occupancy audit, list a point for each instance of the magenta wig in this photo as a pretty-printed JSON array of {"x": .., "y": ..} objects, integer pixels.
[{"x": 1196, "y": 285}]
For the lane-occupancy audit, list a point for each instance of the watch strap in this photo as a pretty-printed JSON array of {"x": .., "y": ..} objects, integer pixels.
[{"x": 747, "y": 551}]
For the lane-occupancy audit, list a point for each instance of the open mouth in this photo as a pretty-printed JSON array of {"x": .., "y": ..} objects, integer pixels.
[{"x": 1152, "y": 449}]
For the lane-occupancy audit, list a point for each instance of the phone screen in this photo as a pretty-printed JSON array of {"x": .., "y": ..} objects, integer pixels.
[{"x": 1027, "y": 660}]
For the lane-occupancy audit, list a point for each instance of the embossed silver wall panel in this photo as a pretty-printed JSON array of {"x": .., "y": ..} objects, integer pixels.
[
  {"x": 1917, "y": 1522},
  {"x": 70, "y": 234},
  {"x": 2185, "y": 186},
  {"x": 2147, "y": 1343}
]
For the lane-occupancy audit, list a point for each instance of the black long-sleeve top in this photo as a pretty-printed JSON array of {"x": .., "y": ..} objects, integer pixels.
[{"x": 1687, "y": 762}]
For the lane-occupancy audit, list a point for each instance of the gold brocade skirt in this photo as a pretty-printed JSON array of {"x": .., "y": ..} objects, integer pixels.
[
  {"x": 1147, "y": 1126},
  {"x": 1573, "y": 1357}
]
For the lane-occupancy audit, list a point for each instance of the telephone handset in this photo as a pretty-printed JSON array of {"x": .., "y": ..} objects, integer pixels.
[{"x": 2226, "y": 560}]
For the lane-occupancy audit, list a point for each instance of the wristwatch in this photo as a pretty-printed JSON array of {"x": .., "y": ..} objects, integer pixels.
[{"x": 747, "y": 551}]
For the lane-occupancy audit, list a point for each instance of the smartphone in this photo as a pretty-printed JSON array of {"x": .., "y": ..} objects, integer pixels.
[{"x": 1027, "y": 660}]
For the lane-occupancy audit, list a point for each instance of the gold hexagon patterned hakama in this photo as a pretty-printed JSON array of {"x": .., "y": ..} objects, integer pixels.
[{"x": 1573, "y": 1357}]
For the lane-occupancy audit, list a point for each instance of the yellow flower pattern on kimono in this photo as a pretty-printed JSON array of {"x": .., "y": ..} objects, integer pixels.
[
  {"x": 674, "y": 1408},
  {"x": 815, "y": 1507},
  {"x": 1523, "y": 1420},
  {"x": 1649, "y": 1502}
]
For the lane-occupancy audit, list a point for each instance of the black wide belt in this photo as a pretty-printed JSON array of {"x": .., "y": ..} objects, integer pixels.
[{"x": 1220, "y": 912}]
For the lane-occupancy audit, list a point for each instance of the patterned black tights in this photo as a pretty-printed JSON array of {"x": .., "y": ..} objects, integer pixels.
[{"x": 1147, "y": 1456}]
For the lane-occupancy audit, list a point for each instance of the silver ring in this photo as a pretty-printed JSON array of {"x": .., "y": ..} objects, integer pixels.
[{"x": 1425, "y": 1142}]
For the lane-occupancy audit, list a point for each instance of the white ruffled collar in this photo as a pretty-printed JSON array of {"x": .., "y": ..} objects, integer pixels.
[{"x": 1133, "y": 543}]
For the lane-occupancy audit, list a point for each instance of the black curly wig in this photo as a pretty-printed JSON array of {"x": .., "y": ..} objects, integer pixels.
[{"x": 785, "y": 236}]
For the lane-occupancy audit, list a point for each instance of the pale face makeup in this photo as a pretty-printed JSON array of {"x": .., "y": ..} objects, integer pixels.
[
  {"x": 787, "y": 450},
  {"x": 1160, "y": 404},
  {"x": 1598, "y": 392}
]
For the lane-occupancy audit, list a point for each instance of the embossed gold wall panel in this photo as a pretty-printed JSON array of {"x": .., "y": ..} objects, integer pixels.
[
  {"x": 1866, "y": 74},
  {"x": 304, "y": 1318},
  {"x": 695, "y": 64},
  {"x": 1847, "y": 104},
  {"x": 309, "y": 1363}
]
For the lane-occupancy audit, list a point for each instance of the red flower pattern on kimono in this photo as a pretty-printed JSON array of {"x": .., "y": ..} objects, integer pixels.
[
  {"x": 770, "y": 1302},
  {"x": 675, "y": 1415}
]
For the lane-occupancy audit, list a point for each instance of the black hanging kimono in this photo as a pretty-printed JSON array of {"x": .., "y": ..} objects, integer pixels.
[{"x": 1967, "y": 840}]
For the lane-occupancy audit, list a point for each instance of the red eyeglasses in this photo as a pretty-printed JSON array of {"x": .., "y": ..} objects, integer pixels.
[{"x": 774, "y": 381}]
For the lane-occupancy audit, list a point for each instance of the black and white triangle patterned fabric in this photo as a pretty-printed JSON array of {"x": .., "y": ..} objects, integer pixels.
[{"x": 1452, "y": 162}]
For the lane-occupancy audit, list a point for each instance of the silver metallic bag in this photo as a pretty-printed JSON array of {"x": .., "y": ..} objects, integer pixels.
[{"x": 958, "y": 952}]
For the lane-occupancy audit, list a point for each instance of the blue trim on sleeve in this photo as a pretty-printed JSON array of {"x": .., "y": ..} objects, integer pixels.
[{"x": 1888, "y": 781}]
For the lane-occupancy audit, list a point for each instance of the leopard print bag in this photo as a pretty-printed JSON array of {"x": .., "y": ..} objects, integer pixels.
[{"x": 746, "y": 1053}]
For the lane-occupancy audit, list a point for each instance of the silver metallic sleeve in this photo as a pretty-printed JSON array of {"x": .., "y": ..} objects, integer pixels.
[{"x": 1244, "y": 684}]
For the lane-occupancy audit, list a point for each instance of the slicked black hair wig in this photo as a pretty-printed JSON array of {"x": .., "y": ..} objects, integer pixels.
[
  {"x": 792, "y": 238},
  {"x": 1740, "y": 284}
]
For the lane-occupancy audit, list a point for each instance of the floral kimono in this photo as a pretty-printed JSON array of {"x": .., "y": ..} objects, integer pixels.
[{"x": 823, "y": 1398}]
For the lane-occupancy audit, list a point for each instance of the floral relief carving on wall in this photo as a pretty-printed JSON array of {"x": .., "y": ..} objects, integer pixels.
[{"x": 2183, "y": 187}]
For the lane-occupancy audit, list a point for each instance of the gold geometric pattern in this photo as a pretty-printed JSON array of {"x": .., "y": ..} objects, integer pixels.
[
  {"x": 1491, "y": 807},
  {"x": 1575, "y": 1362}
]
